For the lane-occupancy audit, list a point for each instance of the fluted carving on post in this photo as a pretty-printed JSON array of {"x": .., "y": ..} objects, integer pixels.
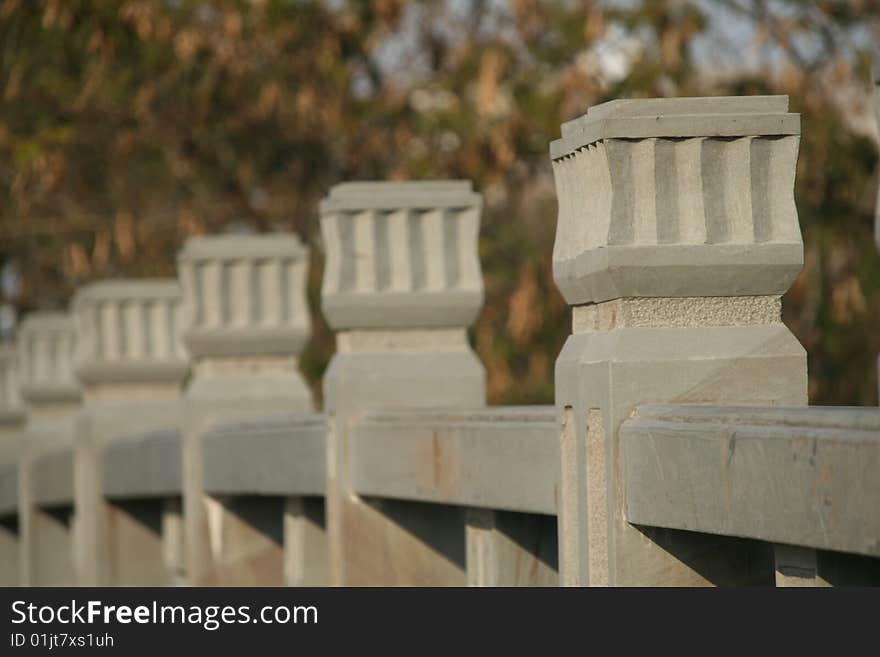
[
  {"x": 244, "y": 295},
  {"x": 652, "y": 191},
  {"x": 401, "y": 254},
  {"x": 677, "y": 235},
  {"x": 129, "y": 331},
  {"x": 46, "y": 343}
]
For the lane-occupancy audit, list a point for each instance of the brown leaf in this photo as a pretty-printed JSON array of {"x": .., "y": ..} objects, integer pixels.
[
  {"x": 522, "y": 318},
  {"x": 123, "y": 234}
]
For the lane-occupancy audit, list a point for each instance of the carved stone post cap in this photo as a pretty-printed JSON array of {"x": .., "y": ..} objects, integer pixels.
[
  {"x": 244, "y": 295},
  {"x": 401, "y": 255},
  {"x": 46, "y": 342},
  {"x": 128, "y": 331},
  {"x": 677, "y": 197}
]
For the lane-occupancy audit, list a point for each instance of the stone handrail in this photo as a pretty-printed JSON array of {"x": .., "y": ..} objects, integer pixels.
[
  {"x": 797, "y": 476},
  {"x": 495, "y": 458},
  {"x": 51, "y": 479},
  {"x": 276, "y": 455},
  {"x": 143, "y": 466}
]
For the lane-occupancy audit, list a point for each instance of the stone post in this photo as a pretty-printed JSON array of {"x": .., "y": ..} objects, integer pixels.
[
  {"x": 131, "y": 364},
  {"x": 677, "y": 235},
  {"x": 246, "y": 323},
  {"x": 877, "y": 204},
  {"x": 51, "y": 395},
  {"x": 11, "y": 424},
  {"x": 877, "y": 116},
  {"x": 401, "y": 284}
]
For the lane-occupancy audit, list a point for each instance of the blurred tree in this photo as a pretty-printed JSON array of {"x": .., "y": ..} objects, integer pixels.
[{"x": 127, "y": 126}]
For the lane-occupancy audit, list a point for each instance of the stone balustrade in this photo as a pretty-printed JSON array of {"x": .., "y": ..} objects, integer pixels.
[{"x": 172, "y": 417}]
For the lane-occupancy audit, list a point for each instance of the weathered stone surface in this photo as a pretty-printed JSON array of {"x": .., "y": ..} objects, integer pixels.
[
  {"x": 497, "y": 458},
  {"x": 511, "y": 549},
  {"x": 375, "y": 370},
  {"x": 796, "y": 476},
  {"x": 51, "y": 478},
  {"x": 698, "y": 200},
  {"x": 143, "y": 466},
  {"x": 401, "y": 254},
  {"x": 275, "y": 455},
  {"x": 673, "y": 243}
]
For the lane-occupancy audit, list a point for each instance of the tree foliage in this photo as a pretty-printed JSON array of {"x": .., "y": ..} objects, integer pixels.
[{"x": 127, "y": 126}]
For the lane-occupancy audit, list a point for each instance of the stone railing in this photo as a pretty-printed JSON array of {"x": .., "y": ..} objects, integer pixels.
[{"x": 680, "y": 449}]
